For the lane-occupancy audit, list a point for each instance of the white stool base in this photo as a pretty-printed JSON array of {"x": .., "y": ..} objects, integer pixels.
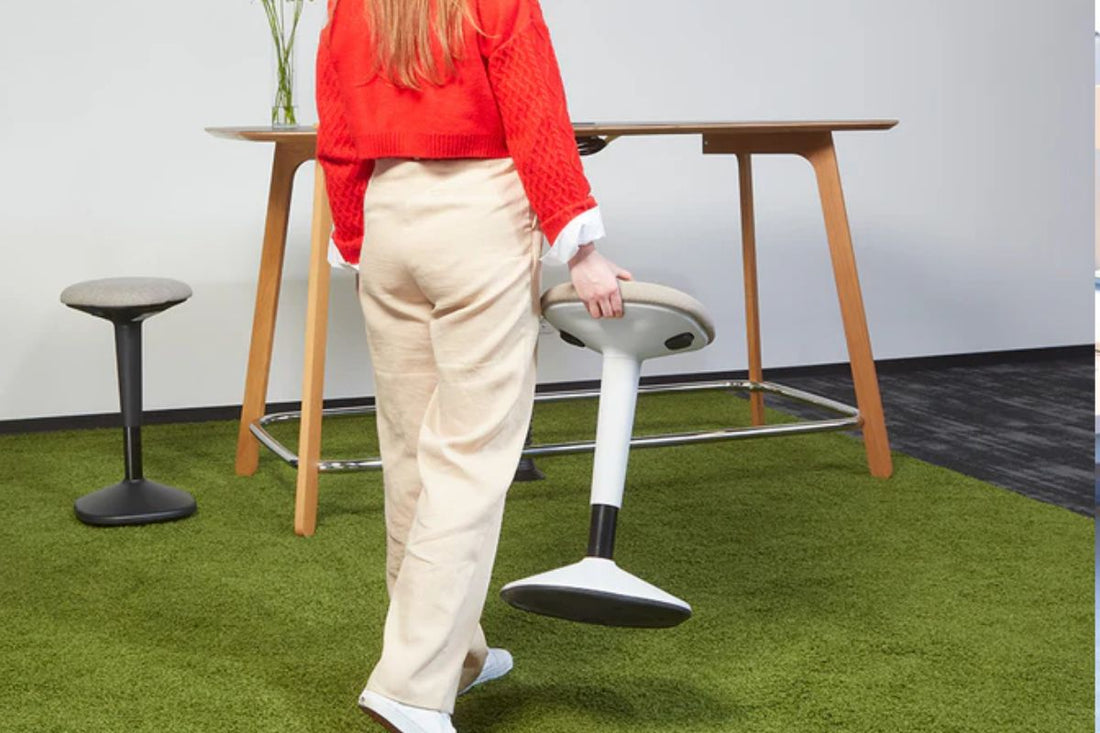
[{"x": 597, "y": 591}]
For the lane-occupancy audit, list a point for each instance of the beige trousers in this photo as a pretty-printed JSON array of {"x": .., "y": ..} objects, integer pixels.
[{"x": 449, "y": 287}]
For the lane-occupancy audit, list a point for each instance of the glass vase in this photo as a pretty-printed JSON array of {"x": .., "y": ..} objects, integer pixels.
[{"x": 284, "y": 108}]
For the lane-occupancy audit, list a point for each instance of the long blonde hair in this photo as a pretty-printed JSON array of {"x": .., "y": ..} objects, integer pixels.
[{"x": 401, "y": 34}]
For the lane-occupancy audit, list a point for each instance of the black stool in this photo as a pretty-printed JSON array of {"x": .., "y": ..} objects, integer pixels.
[{"x": 126, "y": 302}]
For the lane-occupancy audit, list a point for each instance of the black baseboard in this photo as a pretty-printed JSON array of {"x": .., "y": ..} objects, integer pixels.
[{"x": 884, "y": 366}]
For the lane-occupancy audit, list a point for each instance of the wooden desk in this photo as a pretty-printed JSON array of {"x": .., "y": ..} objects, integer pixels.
[{"x": 810, "y": 140}]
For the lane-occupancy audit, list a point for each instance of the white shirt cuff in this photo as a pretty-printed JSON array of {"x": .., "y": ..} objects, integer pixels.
[
  {"x": 584, "y": 228},
  {"x": 337, "y": 260}
]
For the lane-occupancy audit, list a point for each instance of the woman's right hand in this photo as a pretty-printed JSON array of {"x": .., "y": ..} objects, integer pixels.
[{"x": 596, "y": 280}]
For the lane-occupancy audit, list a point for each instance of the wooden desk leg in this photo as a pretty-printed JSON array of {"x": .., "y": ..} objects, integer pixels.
[
  {"x": 868, "y": 398},
  {"x": 313, "y": 374},
  {"x": 286, "y": 162},
  {"x": 752, "y": 292}
]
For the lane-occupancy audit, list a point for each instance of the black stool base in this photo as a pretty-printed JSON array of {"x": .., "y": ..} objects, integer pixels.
[
  {"x": 527, "y": 471},
  {"x": 140, "y": 501}
]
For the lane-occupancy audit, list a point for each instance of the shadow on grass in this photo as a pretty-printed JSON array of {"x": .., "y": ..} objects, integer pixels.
[{"x": 640, "y": 702}]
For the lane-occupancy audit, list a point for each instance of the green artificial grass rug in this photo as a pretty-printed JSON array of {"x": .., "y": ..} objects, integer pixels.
[{"x": 824, "y": 599}]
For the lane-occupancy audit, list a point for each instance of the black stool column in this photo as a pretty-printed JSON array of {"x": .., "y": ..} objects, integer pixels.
[{"x": 128, "y": 355}]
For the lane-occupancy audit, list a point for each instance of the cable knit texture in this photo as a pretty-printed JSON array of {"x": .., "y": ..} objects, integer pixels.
[
  {"x": 346, "y": 175},
  {"x": 506, "y": 99}
]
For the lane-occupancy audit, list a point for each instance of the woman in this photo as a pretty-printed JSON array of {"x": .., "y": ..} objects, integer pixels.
[{"x": 448, "y": 154}]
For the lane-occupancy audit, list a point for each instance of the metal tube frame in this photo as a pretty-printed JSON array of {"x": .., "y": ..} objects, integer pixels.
[{"x": 851, "y": 421}]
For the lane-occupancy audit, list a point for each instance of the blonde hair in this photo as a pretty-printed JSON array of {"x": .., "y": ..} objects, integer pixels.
[{"x": 401, "y": 34}]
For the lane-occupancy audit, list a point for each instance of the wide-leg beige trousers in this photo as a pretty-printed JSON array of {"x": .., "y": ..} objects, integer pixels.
[{"x": 449, "y": 285}]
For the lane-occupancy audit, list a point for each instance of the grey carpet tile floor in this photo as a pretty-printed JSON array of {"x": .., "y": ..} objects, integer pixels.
[{"x": 1026, "y": 426}]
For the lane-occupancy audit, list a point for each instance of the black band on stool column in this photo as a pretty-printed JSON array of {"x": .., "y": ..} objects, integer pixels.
[{"x": 601, "y": 531}]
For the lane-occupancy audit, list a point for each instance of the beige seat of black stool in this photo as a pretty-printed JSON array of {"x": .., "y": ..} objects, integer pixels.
[{"x": 126, "y": 302}]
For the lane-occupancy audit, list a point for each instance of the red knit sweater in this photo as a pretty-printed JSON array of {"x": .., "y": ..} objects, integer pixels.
[{"x": 506, "y": 99}]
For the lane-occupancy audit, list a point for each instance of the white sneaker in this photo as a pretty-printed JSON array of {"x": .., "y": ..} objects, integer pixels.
[
  {"x": 497, "y": 664},
  {"x": 398, "y": 717}
]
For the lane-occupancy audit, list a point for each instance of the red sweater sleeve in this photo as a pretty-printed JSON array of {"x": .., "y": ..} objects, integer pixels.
[
  {"x": 346, "y": 175},
  {"x": 526, "y": 81}
]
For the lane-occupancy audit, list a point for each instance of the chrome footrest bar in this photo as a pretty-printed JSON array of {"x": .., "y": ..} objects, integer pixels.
[{"x": 850, "y": 420}]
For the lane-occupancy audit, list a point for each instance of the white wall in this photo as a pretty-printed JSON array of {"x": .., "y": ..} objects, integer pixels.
[{"x": 972, "y": 220}]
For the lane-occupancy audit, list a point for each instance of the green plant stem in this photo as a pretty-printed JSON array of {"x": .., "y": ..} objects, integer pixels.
[{"x": 284, "y": 49}]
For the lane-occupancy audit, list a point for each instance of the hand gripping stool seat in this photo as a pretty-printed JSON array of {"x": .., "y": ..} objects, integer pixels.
[
  {"x": 126, "y": 302},
  {"x": 657, "y": 321}
]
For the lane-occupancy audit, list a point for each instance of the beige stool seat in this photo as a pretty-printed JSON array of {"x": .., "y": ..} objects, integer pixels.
[
  {"x": 661, "y": 320},
  {"x": 123, "y": 299}
]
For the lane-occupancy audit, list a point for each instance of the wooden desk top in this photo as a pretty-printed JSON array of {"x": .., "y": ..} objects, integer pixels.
[{"x": 307, "y": 133}]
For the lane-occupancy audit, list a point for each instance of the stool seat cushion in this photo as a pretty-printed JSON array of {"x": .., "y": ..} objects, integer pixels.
[
  {"x": 634, "y": 291},
  {"x": 125, "y": 293}
]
